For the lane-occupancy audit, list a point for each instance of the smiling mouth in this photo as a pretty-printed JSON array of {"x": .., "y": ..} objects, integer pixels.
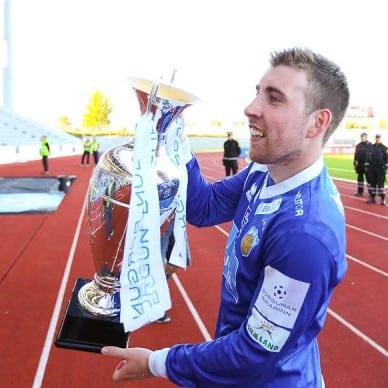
[{"x": 255, "y": 132}]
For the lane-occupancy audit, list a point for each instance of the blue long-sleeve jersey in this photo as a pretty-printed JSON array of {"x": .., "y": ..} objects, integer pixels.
[{"x": 284, "y": 256}]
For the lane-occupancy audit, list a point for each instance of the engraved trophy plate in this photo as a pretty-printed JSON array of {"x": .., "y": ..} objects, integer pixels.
[{"x": 92, "y": 317}]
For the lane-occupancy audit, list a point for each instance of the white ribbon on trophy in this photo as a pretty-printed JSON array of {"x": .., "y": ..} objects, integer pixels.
[
  {"x": 144, "y": 293},
  {"x": 180, "y": 254}
]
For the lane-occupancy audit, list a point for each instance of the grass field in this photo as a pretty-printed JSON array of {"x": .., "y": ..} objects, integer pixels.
[{"x": 340, "y": 166}]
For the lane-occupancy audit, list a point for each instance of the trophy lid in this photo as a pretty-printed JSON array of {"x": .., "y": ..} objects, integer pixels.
[{"x": 165, "y": 91}]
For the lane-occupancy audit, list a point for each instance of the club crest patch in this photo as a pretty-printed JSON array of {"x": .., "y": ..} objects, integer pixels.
[{"x": 249, "y": 241}]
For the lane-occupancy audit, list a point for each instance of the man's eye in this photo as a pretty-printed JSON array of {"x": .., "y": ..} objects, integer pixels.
[{"x": 273, "y": 98}]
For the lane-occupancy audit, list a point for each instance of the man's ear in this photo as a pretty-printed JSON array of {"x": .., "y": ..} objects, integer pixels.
[{"x": 322, "y": 120}]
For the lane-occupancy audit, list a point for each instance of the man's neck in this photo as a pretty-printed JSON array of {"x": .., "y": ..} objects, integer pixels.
[{"x": 283, "y": 171}]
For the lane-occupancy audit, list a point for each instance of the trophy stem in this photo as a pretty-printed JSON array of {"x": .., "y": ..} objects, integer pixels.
[{"x": 100, "y": 296}]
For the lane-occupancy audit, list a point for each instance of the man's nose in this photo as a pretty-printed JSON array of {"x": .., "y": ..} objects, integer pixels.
[{"x": 253, "y": 108}]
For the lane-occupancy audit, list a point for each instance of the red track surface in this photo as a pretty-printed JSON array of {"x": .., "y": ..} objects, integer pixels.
[{"x": 38, "y": 251}]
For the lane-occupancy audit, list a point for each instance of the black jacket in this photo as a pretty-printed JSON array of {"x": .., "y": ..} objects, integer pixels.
[
  {"x": 231, "y": 149},
  {"x": 377, "y": 156}
]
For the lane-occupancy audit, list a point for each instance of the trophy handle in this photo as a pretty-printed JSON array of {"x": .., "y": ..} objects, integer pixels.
[{"x": 152, "y": 96}]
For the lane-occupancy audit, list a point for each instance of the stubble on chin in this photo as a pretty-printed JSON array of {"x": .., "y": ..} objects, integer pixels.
[{"x": 255, "y": 157}]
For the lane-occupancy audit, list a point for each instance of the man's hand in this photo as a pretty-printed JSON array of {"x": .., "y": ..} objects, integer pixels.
[{"x": 133, "y": 364}]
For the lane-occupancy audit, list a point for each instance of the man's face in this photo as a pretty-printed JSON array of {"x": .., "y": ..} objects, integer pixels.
[
  {"x": 378, "y": 140},
  {"x": 364, "y": 138},
  {"x": 277, "y": 118}
]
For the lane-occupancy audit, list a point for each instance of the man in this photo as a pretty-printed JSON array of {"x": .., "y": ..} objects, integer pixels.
[
  {"x": 377, "y": 164},
  {"x": 231, "y": 153},
  {"x": 86, "y": 154},
  {"x": 94, "y": 147},
  {"x": 44, "y": 152},
  {"x": 286, "y": 248},
  {"x": 360, "y": 157}
]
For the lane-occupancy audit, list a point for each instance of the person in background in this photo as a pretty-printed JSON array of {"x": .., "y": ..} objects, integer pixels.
[
  {"x": 94, "y": 147},
  {"x": 232, "y": 151},
  {"x": 377, "y": 164},
  {"x": 86, "y": 153},
  {"x": 286, "y": 250},
  {"x": 360, "y": 158},
  {"x": 44, "y": 152}
]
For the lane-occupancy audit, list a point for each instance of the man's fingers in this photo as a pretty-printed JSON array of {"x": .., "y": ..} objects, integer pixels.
[
  {"x": 113, "y": 351},
  {"x": 133, "y": 364}
]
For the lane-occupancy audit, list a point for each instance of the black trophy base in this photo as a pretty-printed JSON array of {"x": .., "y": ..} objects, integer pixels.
[{"x": 82, "y": 331}]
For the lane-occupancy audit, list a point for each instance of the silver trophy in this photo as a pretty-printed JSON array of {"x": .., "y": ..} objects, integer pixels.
[{"x": 92, "y": 316}]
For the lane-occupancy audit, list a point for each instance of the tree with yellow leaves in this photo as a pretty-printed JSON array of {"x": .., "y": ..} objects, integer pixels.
[{"x": 98, "y": 111}]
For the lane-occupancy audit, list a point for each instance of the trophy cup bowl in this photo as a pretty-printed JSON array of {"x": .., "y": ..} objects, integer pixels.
[{"x": 92, "y": 316}]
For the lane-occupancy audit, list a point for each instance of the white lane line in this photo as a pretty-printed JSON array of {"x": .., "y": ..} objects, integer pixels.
[
  {"x": 346, "y": 186},
  {"x": 367, "y": 232},
  {"x": 358, "y": 333},
  {"x": 366, "y": 212},
  {"x": 211, "y": 178},
  {"x": 353, "y": 182},
  {"x": 192, "y": 309},
  {"x": 222, "y": 230},
  {"x": 340, "y": 169},
  {"x": 371, "y": 267},
  {"x": 57, "y": 309},
  {"x": 189, "y": 303}
]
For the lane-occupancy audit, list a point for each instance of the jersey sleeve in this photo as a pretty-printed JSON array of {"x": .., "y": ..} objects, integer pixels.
[
  {"x": 212, "y": 203},
  {"x": 287, "y": 312}
]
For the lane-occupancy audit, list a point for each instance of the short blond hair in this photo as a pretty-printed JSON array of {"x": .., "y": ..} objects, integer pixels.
[{"x": 327, "y": 85}]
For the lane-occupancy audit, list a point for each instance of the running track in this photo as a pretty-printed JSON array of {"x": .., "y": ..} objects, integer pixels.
[{"x": 43, "y": 255}]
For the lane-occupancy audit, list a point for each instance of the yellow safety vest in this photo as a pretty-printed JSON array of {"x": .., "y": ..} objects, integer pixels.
[
  {"x": 87, "y": 146},
  {"x": 95, "y": 146},
  {"x": 44, "y": 150}
]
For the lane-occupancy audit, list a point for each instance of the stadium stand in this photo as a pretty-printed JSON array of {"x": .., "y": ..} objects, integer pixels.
[{"x": 20, "y": 139}]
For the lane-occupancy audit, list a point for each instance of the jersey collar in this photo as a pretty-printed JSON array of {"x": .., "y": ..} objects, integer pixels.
[{"x": 291, "y": 183}]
